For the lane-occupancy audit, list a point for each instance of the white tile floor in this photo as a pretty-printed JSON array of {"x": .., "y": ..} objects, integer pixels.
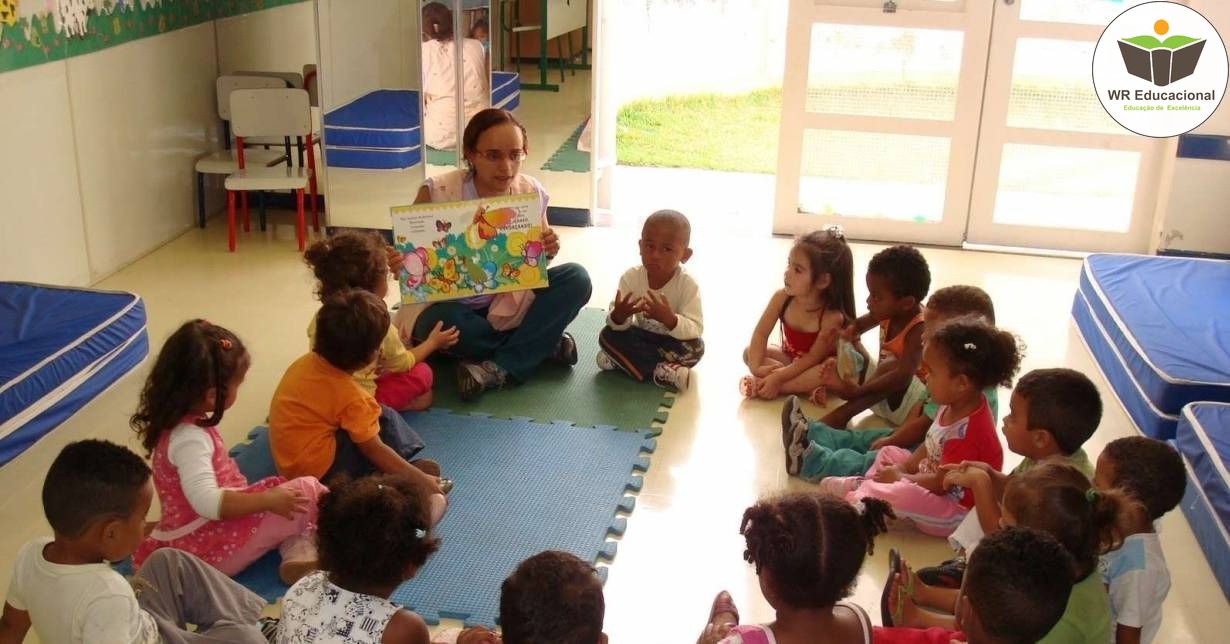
[{"x": 717, "y": 454}]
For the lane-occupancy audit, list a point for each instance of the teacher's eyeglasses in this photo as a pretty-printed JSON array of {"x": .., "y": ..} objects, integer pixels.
[{"x": 497, "y": 155}]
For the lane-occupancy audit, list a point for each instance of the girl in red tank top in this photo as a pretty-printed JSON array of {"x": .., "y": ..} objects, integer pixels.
[{"x": 816, "y": 301}]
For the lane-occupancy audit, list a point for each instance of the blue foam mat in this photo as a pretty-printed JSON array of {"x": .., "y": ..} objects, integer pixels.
[{"x": 521, "y": 487}]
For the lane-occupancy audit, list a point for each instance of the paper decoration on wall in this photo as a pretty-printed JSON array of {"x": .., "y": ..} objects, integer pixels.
[
  {"x": 70, "y": 16},
  {"x": 8, "y": 12}
]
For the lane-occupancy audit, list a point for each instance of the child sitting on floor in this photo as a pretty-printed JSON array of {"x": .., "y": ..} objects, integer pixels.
[
  {"x": 1051, "y": 414},
  {"x": 808, "y": 550},
  {"x": 95, "y": 497},
  {"x": 654, "y": 325},
  {"x": 1011, "y": 594},
  {"x": 962, "y": 358},
  {"x": 552, "y": 597},
  {"x": 1151, "y": 472},
  {"x": 842, "y": 452},
  {"x": 208, "y": 507},
  {"x": 397, "y": 378},
  {"x": 898, "y": 279},
  {"x": 374, "y": 534},
  {"x": 322, "y": 423},
  {"x": 816, "y": 301},
  {"x": 1059, "y": 500}
]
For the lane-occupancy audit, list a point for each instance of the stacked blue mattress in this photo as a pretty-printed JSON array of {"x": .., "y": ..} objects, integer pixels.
[
  {"x": 1159, "y": 329},
  {"x": 382, "y": 130},
  {"x": 59, "y": 348},
  {"x": 505, "y": 90},
  {"x": 1203, "y": 439}
]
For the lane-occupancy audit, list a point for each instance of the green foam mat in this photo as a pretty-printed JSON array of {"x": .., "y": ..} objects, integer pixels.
[
  {"x": 441, "y": 157},
  {"x": 568, "y": 158},
  {"x": 582, "y": 394}
]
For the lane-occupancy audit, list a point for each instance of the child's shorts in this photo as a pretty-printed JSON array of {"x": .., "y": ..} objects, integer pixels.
[
  {"x": 398, "y": 390},
  {"x": 914, "y": 395}
]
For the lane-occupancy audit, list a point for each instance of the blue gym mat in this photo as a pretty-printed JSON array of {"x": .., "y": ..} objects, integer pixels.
[{"x": 521, "y": 487}]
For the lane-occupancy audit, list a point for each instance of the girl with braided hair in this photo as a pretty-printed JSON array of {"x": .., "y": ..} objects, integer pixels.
[{"x": 808, "y": 550}]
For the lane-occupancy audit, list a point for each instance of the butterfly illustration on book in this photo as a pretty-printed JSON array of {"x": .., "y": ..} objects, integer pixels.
[{"x": 443, "y": 226}]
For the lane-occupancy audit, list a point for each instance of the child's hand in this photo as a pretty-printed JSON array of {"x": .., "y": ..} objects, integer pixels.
[
  {"x": 285, "y": 502},
  {"x": 441, "y": 338},
  {"x": 964, "y": 465},
  {"x": 831, "y": 380},
  {"x": 880, "y": 443},
  {"x": 768, "y": 387},
  {"x": 656, "y": 307},
  {"x": 889, "y": 474},
  {"x": 965, "y": 477},
  {"x": 625, "y": 305},
  {"x": 394, "y": 259},
  {"x": 713, "y": 633}
]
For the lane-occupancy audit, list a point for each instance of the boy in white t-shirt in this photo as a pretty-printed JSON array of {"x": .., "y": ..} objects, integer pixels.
[
  {"x": 96, "y": 496},
  {"x": 654, "y": 325},
  {"x": 1136, "y": 575}
]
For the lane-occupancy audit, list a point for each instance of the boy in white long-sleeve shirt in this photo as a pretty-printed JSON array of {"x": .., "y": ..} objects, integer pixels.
[{"x": 655, "y": 322}]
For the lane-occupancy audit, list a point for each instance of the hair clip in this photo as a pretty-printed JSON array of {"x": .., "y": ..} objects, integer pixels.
[
  {"x": 859, "y": 507},
  {"x": 835, "y": 231},
  {"x": 225, "y": 344},
  {"x": 970, "y": 346},
  {"x": 1091, "y": 495},
  {"x": 420, "y": 533},
  {"x": 380, "y": 486}
]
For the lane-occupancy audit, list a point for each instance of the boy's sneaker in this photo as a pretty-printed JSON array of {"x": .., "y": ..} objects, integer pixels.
[
  {"x": 794, "y": 423},
  {"x": 606, "y": 362},
  {"x": 794, "y": 457},
  {"x": 475, "y": 378},
  {"x": 672, "y": 376},
  {"x": 565, "y": 350}
]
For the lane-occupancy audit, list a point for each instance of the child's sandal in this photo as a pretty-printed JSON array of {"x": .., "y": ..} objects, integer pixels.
[{"x": 889, "y": 608}]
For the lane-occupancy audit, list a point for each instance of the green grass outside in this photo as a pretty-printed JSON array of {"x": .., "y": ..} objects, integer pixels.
[{"x": 707, "y": 131}]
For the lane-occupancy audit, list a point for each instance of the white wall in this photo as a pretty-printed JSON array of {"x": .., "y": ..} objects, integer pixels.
[
  {"x": 40, "y": 206},
  {"x": 96, "y": 168},
  {"x": 373, "y": 44},
  {"x": 282, "y": 39},
  {"x": 1195, "y": 201}
]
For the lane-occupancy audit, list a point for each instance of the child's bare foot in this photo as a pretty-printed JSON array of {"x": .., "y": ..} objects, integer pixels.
[
  {"x": 943, "y": 599},
  {"x": 292, "y": 570},
  {"x": 747, "y": 386}
]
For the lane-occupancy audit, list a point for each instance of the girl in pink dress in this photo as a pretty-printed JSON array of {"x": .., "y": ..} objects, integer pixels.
[
  {"x": 807, "y": 549},
  {"x": 962, "y": 357},
  {"x": 208, "y": 507}
]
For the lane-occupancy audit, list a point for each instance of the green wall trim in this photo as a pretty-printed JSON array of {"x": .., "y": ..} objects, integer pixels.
[{"x": 31, "y": 41}]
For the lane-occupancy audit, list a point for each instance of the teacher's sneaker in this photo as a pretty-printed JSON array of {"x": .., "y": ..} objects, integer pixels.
[
  {"x": 475, "y": 378},
  {"x": 671, "y": 375}
]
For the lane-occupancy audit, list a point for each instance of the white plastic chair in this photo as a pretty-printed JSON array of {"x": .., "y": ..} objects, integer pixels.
[
  {"x": 277, "y": 113},
  {"x": 225, "y": 161}
]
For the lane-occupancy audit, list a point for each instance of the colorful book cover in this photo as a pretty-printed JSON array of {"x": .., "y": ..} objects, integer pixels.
[{"x": 467, "y": 248}]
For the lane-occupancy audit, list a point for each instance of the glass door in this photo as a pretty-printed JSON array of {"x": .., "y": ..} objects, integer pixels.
[
  {"x": 880, "y": 111},
  {"x": 1053, "y": 169}
]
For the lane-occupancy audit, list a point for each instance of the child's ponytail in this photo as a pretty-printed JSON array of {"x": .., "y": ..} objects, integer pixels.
[
  {"x": 874, "y": 515},
  {"x": 1058, "y": 499},
  {"x": 987, "y": 355},
  {"x": 198, "y": 357}
]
